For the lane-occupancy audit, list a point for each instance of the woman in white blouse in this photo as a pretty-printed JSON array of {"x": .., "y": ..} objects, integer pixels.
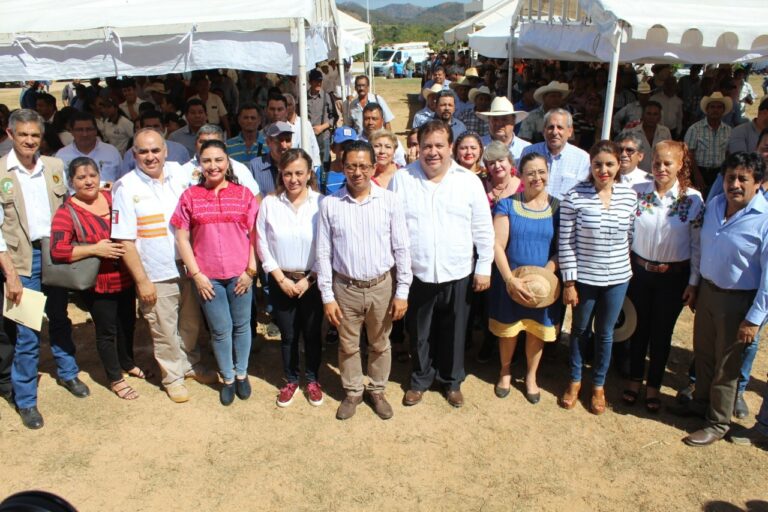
[
  {"x": 286, "y": 229},
  {"x": 595, "y": 234},
  {"x": 665, "y": 265}
]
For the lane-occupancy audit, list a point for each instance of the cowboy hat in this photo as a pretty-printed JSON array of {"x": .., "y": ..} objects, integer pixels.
[
  {"x": 461, "y": 82},
  {"x": 716, "y": 97},
  {"x": 553, "y": 86},
  {"x": 626, "y": 324},
  {"x": 501, "y": 106},
  {"x": 643, "y": 88},
  {"x": 471, "y": 73},
  {"x": 436, "y": 88},
  {"x": 480, "y": 90},
  {"x": 541, "y": 283},
  {"x": 157, "y": 87}
]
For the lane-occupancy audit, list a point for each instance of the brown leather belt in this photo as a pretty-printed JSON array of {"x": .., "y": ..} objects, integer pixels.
[
  {"x": 357, "y": 283},
  {"x": 296, "y": 276},
  {"x": 725, "y": 290},
  {"x": 662, "y": 268}
]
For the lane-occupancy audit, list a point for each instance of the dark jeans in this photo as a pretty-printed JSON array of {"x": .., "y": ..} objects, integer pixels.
[
  {"x": 114, "y": 317},
  {"x": 442, "y": 310},
  {"x": 295, "y": 317},
  {"x": 658, "y": 301},
  {"x": 7, "y": 343}
]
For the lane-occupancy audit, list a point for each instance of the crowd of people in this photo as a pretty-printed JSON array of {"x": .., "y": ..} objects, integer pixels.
[{"x": 498, "y": 212}]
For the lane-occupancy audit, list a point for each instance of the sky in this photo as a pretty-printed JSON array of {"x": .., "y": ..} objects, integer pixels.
[{"x": 375, "y": 4}]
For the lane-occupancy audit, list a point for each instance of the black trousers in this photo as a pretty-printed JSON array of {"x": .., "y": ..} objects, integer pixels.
[
  {"x": 7, "y": 347},
  {"x": 114, "y": 317},
  {"x": 442, "y": 311},
  {"x": 295, "y": 317}
]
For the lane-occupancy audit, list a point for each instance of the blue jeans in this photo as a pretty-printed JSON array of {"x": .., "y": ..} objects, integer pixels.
[
  {"x": 229, "y": 318},
  {"x": 606, "y": 302},
  {"x": 27, "y": 354}
]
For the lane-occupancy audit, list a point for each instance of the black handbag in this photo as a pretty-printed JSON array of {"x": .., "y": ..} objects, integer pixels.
[{"x": 78, "y": 275}]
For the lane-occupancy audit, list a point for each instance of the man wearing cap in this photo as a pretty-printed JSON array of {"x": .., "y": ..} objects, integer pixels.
[
  {"x": 444, "y": 111},
  {"x": 708, "y": 139},
  {"x": 87, "y": 143},
  {"x": 249, "y": 143},
  {"x": 354, "y": 114},
  {"x": 264, "y": 168},
  {"x": 568, "y": 165},
  {"x": 448, "y": 220},
  {"x": 428, "y": 112},
  {"x": 195, "y": 114},
  {"x": 334, "y": 178},
  {"x": 144, "y": 200},
  {"x": 32, "y": 187},
  {"x": 632, "y": 112},
  {"x": 502, "y": 118},
  {"x": 461, "y": 89},
  {"x": 548, "y": 97},
  {"x": 176, "y": 152},
  {"x": 322, "y": 115},
  {"x": 363, "y": 274},
  {"x": 373, "y": 119},
  {"x": 193, "y": 170},
  {"x": 745, "y": 136},
  {"x": 481, "y": 102}
]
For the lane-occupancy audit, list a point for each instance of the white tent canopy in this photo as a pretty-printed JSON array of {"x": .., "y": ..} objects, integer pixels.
[
  {"x": 353, "y": 35},
  {"x": 503, "y": 10},
  {"x": 43, "y": 39}
]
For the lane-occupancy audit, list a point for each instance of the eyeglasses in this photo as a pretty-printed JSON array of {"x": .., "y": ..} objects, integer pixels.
[
  {"x": 628, "y": 151},
  {"x": 360, "y": 167}
]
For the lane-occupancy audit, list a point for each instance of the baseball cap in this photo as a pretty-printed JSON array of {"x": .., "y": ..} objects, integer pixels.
[
  {"x": 277, "y": 128},
  {"x": 343, "y": 134},
  {"x": 315, "y": 74}
]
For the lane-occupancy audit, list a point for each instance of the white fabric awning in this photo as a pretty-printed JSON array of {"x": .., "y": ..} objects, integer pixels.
[
  {"x": 353, "y": 35},
  {"x": 44, "y": 39},
  {"x": 504, "y": 9}
]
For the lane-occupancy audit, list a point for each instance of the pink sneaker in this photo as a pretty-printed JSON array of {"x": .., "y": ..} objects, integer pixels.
[
  {"x": 315, "y": 394},
  {"x": 285, "y": 397}
]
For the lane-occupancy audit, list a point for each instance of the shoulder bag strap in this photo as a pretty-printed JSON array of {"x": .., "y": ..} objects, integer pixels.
[{"x": 76, "y": 220}]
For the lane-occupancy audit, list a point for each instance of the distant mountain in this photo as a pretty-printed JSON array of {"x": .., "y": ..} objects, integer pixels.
[{"x": 392, "y": 14}]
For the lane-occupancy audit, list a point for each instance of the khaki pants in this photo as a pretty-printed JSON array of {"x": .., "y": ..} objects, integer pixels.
[
  {"x": 369, "y": 307},
  {"x": 174, "y": 322}
]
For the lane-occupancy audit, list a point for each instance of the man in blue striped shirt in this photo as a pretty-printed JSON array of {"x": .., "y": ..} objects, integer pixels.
[{"x": 249, "y": 143}]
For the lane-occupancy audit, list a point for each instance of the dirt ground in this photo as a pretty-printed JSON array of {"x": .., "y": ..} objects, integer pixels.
[{"x": 103, "y": 454}]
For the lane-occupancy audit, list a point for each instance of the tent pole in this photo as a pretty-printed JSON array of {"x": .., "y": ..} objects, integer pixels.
[
  {"x": 342, "y": 78},
  {"x": 511, "y": 57},
  {"x": 302, "y": 78},
  {"x": 370, "y": 67},
  {"x": 611, "y": 89}
]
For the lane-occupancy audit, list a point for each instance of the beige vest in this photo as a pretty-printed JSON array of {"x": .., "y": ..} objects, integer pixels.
[{"x": 15, "y": 225}]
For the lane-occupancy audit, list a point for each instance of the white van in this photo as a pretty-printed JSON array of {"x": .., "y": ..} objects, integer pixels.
[{"x": 387, "y": 55}]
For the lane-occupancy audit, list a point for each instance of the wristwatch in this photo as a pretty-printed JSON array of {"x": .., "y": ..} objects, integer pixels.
[{"x": 252, "y": 272}]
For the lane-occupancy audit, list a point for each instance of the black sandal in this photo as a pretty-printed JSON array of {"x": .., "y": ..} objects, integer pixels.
[
  {"x": 653, "y": 404},
  {"x": 629, "y": 397}
]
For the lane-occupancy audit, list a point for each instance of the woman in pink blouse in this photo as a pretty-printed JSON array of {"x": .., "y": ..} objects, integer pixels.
[{"x": 214, "y": 223}]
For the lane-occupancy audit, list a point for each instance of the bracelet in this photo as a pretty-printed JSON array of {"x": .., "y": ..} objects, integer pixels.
[
  {"x": 193, "y": 275},
  {"x": 251, "y": 272}
]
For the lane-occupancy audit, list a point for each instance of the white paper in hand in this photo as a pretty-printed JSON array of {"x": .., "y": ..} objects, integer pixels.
[{"x": 30, "y": 310}]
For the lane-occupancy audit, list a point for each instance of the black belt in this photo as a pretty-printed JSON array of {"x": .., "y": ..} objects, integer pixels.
[
  {"x": 662, "y": 268},
  {"x": 725, "y": 290},
  {"x": 37, "y": 245},
  {"x": 296, "y": 276}
]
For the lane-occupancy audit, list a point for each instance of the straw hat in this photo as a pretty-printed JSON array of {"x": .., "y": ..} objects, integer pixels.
[
  {"x": 480, "y": 90},
  {"x": 436, "y": 88},
  {"x": 471, "y": 73},
  {"x": 626, "y": 324},
  {"x": 541, "y": 283},
  {"x": 643, "y": 88},
  {"x": 716, "y": 97},
  {"x": 461, "y": 82},
  {"x": 501, "y": 106},
  {"x": 157, "y": 87},
  {"x": 553, "y": 86}
]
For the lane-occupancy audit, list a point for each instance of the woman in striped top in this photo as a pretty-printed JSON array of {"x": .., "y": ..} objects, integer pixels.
[
  {"x": 112, "y": 301},
  {"x": 215, "y": 234},
  {"x": 595, "y": 229}
]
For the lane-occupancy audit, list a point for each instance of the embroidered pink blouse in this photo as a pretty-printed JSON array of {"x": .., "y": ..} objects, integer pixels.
[{"x": 219, "y": 227}]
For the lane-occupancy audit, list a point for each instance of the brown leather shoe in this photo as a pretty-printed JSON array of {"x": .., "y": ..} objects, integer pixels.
[
  {"x": 380, "y": 405},
  {"x": 597, "y": 404},
  {"x": 454, "y": 397},
  {"x": 412, "y": 397},
  {"x": 571, "y": 396},
  {"x": 702, "y": 437},
  {"x": 348, "y": 406}
]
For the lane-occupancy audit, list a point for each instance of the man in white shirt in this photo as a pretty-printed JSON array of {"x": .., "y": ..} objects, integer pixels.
[
  {"x": 31, "y": 189},
  {"x": 448, "y": 217},
  {"x": 144, "y": 201},
  {"x": 132, "y": 102},
  {"x": 650, "y": 131},
  {"x": 354, "y": 115},
  {"x": 87, "y": 143},
  {"x": 502, "y": 118},
  {"x": 192, "y": 168},
  {"x": 671, "y": 107},
  {"x": 373, "y": 119},
  {"x": 363, "y": 274},
  {"x": 214, "y": 105},
  {"x": 298, "y": 125},
  {"x": 631, "y": 155},
  {"x": 176, "y": 152}
]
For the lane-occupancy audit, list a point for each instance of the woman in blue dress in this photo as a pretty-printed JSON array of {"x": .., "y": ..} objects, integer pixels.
[{"x": 526, "y": 226}]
